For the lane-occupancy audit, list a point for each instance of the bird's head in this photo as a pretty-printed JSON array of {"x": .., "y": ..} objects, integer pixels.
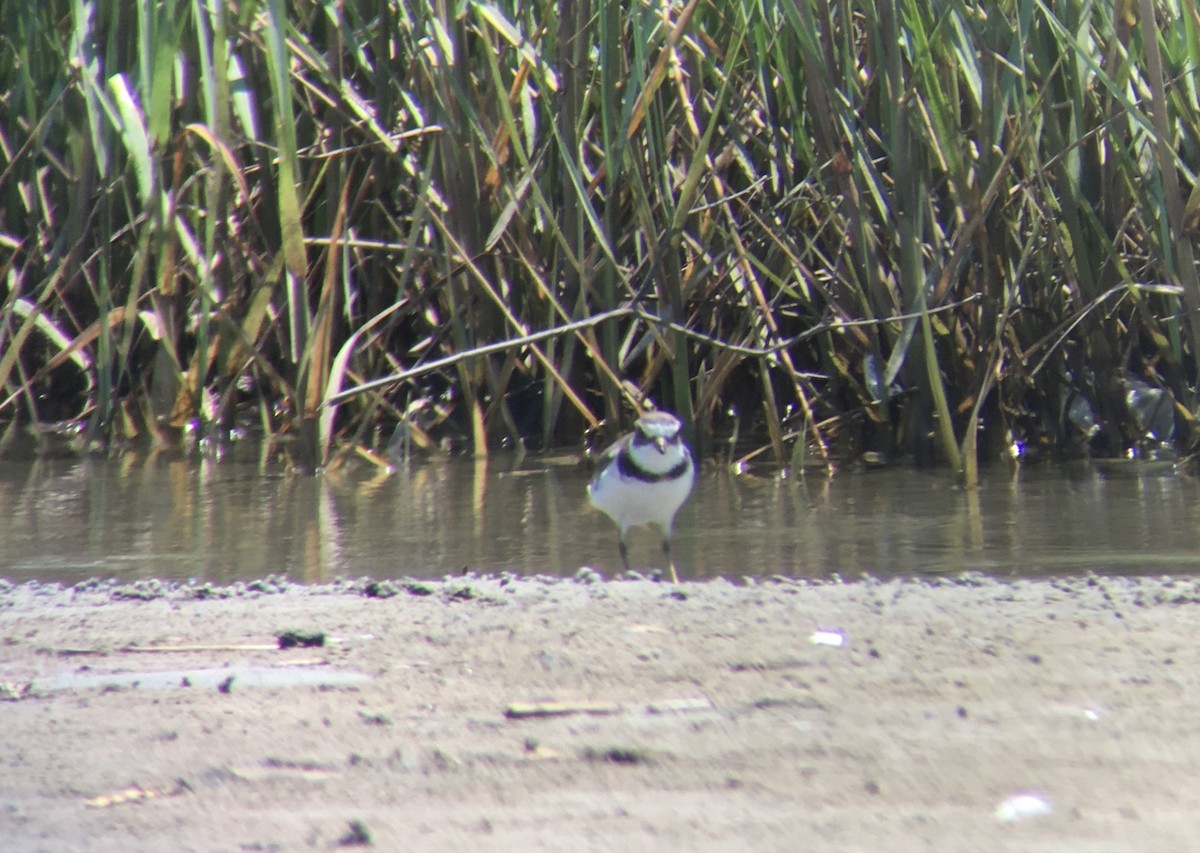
[{"x": 659, "y": 429}]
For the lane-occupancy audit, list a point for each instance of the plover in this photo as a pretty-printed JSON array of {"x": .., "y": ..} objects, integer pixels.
[{"x": 644, "y": 478}]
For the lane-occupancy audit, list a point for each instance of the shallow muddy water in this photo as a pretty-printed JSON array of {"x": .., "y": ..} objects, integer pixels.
[{"x": 241, "y": 519}]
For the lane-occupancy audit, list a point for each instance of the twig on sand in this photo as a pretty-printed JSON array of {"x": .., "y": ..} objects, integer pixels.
[{"x": 527, "y": 710}]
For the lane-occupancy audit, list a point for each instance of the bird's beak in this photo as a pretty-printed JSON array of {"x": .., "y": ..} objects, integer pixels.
[{"x": 661, "y": 444}]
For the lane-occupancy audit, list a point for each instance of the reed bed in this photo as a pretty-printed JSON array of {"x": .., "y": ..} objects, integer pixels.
[{"x": 942, "y": 230}]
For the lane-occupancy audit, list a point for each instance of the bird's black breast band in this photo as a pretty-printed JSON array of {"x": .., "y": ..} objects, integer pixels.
[{"x": 629, "y": 468}]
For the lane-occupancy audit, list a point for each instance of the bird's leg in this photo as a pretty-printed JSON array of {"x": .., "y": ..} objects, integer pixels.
[
  {"x": 670, "y": 562},
  {"x": 624, "y": 553}
]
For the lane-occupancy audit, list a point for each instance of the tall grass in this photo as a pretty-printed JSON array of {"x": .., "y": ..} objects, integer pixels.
[{"x": 935, "y": 229}]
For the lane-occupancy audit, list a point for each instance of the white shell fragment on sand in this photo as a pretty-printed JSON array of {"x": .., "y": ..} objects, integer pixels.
[
  {"x": 1021, "y": 807},
  {"x": 828, "y": 638}
]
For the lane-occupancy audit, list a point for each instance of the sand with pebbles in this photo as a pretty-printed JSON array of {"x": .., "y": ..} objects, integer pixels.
[{"x": 507, "y": 713}]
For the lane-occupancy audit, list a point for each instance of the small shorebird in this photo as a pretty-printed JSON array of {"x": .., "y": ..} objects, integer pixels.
[{"x": 644, "y": 478}]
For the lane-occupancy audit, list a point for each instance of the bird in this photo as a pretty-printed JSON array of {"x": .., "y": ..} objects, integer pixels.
[{"x": 644, "y": 478}]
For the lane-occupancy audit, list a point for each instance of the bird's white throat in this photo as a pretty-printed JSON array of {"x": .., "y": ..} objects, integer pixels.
[{"x": 650, "y": 458}]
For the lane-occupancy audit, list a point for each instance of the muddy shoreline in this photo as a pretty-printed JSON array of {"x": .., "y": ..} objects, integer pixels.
[{"x": 534, "y": 713}]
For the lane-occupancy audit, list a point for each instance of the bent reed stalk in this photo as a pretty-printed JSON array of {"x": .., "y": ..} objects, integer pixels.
[{"x": 900, "y": 228}]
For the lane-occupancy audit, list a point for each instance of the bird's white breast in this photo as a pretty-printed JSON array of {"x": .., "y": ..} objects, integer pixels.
[{"x": 630, "y": 501}]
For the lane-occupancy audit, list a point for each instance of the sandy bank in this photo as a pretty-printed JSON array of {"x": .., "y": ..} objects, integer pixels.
[{"x": 506, "y": 713}]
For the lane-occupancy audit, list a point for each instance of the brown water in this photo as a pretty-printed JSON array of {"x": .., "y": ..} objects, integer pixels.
[{"x": 241, "y": 519}]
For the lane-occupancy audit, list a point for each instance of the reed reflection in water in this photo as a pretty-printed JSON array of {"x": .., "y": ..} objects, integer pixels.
[{"x": 247, "y": 517}]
